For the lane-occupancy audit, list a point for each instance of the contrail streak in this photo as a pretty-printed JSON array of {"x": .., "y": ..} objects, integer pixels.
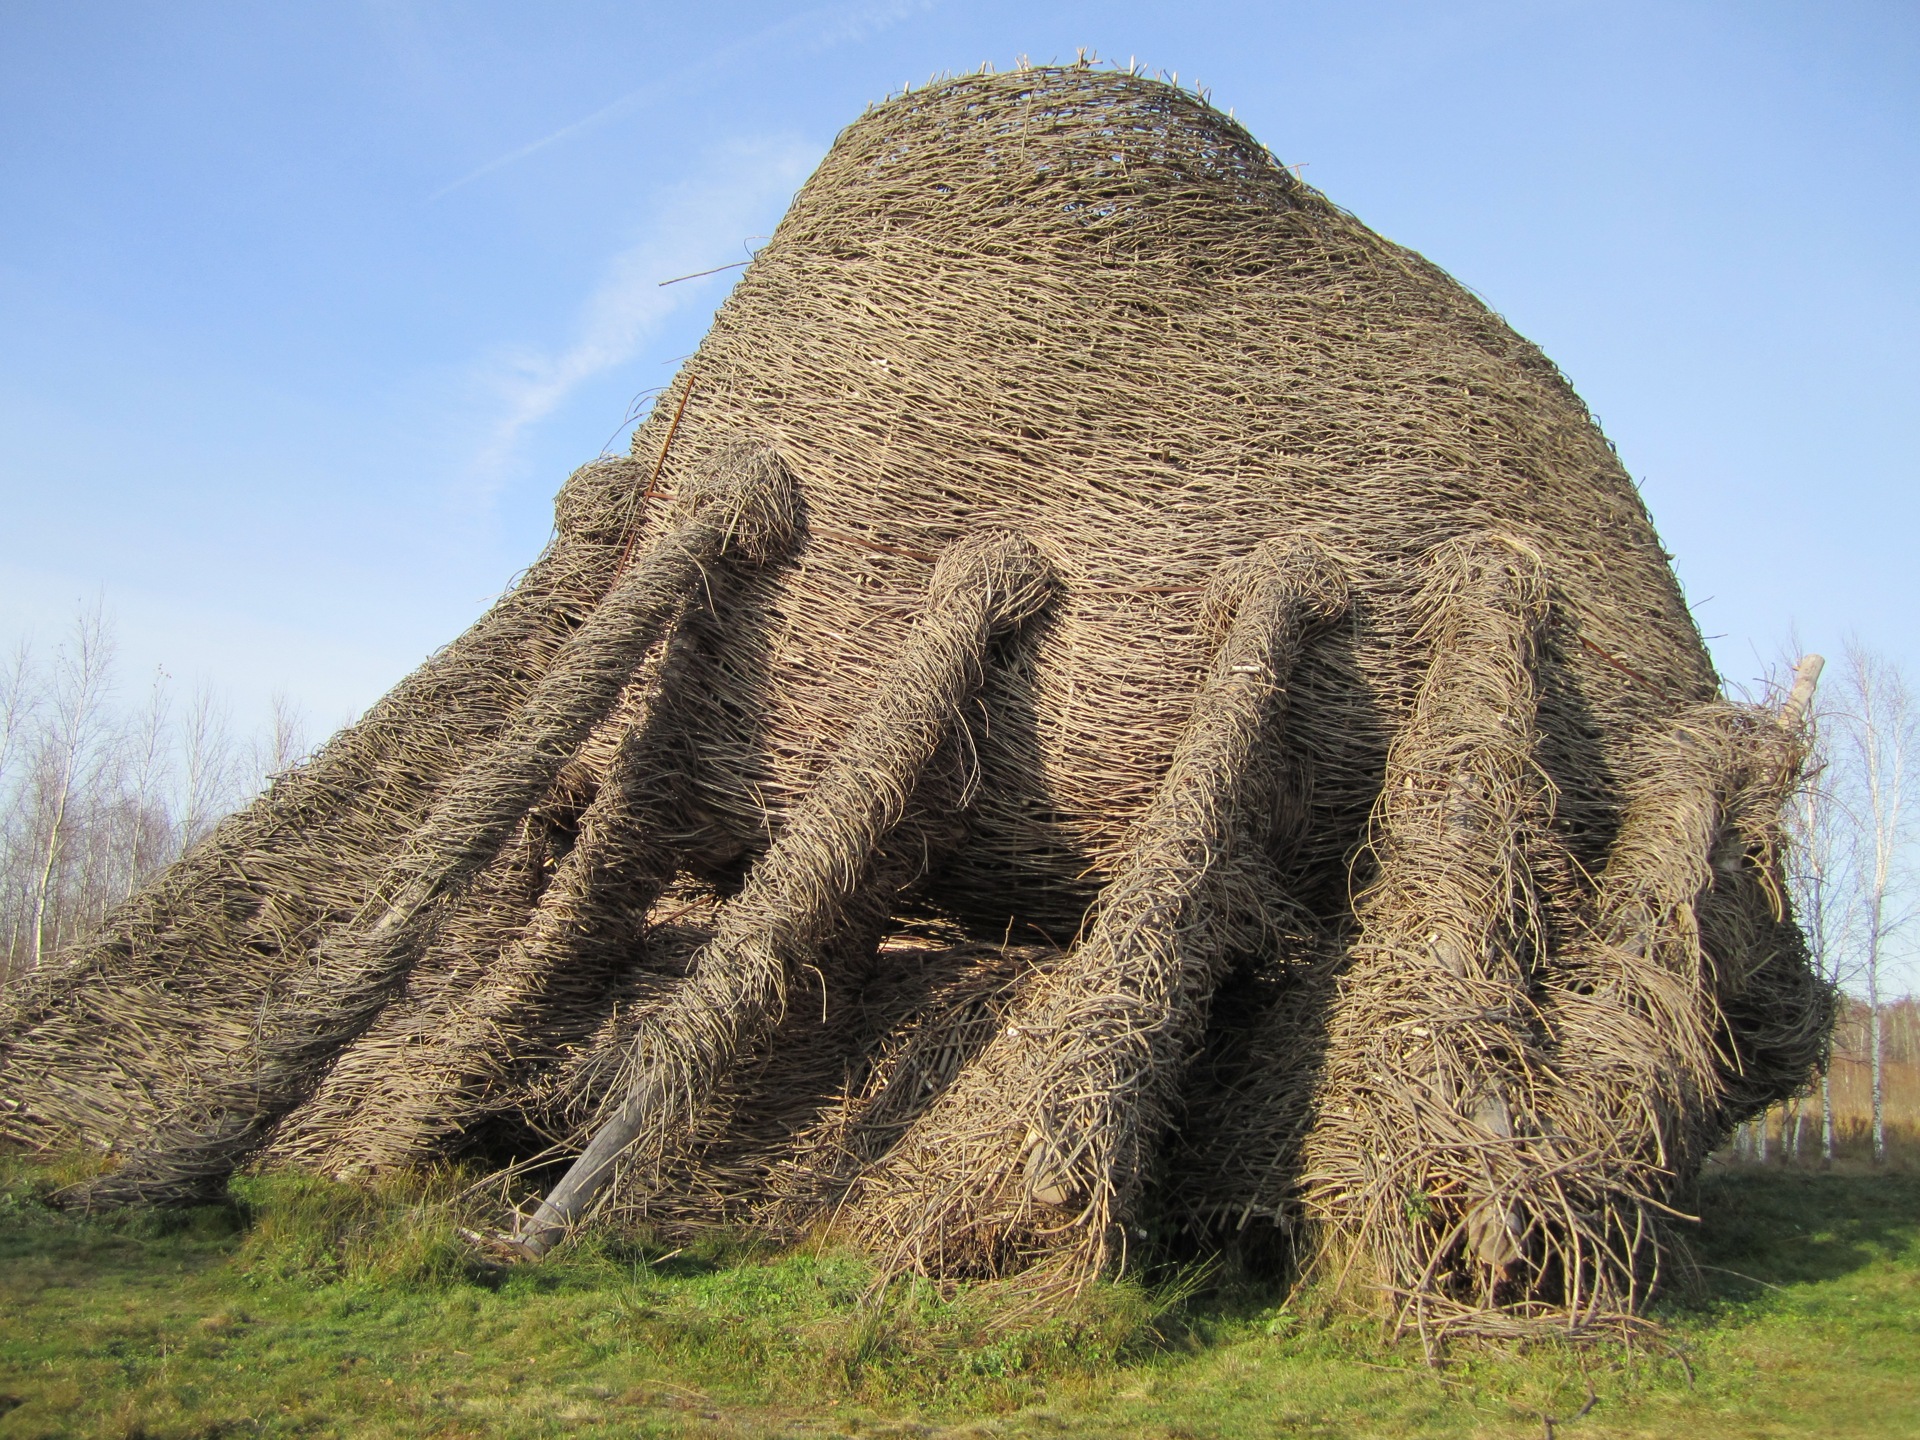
[{"x": 829, "y": 25}]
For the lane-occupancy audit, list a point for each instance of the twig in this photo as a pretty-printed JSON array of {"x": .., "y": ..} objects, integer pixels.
[
  {"x": 1626, "y": 670},
  {"x": 1549, "y": 1425},
  {"x": 673, "y": 429},
  {"x": 698, "y": 273},
  {"x": 1739, "y": 1275},
  {"x": 866, "y": 544},
  {"x": 650, "y": 493}
]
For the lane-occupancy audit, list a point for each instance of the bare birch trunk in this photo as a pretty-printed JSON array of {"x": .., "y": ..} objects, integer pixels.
[
  {"x": 80, "y": 690},
  {"x": 1874, "y": 1053},
  {"x": 1883, "y": 731},
  {"x": 1826, "y": 1120}
]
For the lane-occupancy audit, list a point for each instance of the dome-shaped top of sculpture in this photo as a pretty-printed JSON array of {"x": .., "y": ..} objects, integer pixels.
[
  {"x": 1089, "y": 307},
  {"x": 1077, "y": 295}
]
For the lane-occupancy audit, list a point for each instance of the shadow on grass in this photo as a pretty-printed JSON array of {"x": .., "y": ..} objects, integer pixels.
[
  {"x": 1771, "y": 1229},
  {"x": 72, "y": 1249},
  {"x": 1761, "y": 1231}
]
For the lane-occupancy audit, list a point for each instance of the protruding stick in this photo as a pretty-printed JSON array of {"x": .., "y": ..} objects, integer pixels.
[{"x": 1806, "y": 675}]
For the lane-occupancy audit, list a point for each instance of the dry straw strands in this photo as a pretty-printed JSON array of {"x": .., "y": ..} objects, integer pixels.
[
  {"x": 1108, "y": 696},
  {"x": 1051, "y": 1130},
  {"x": 796, "y": 895}
]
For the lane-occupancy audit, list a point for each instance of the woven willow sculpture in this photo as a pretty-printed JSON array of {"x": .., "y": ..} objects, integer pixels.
[{"x": 1107, "y": 696}]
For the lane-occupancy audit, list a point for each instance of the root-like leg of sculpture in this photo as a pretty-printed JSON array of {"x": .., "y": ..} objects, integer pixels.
[
  {"x": 1047, "y": 1135},
  {"x": 745, "y": 506},
  {"x": 798, "y": 891},
  {"x": 1662, "y": 1037},
  {"x": 1417, "y": 1167},
  {"x": 175, "y": 980},
  {"x": 631, "y": 837}
]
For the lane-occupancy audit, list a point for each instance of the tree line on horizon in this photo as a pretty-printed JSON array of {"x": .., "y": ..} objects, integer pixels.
[
  {"x": 102, "y": 786},
  {"x": 1851, "y": 830}
]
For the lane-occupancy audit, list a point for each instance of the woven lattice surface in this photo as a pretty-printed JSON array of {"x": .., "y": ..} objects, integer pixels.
[{"x": 1486, "y": 864}]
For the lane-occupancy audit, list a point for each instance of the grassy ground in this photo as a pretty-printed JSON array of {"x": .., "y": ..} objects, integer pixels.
[{"x": 313, "y": 1309}]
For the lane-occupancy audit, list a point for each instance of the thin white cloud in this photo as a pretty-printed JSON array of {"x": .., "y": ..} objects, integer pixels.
[
  {"x": 811, "y": 32},
  {"x": 692, "y": 227},
  {"x": 850, "y": 24}
]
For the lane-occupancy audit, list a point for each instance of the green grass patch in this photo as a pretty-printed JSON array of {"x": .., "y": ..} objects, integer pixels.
[{"x": 305, "y": 1307}]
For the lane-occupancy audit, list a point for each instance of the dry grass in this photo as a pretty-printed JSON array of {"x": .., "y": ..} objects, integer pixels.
[
  {"x": 1852, "y": 1090},
  {"x": 1850, "y": 1085}
]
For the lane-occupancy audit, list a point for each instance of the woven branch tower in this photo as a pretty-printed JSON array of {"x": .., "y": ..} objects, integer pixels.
[{"x": 1108, "y": 699}]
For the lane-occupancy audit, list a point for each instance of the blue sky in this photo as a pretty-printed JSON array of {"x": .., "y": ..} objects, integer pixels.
[{"x": 306, "y": 310}]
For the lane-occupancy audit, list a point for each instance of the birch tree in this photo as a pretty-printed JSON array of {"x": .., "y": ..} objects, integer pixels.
[
  {"x": 1880, "y": 737},
  {"x": 1821, "y": 897},
  {"x": 207, "y": 769},
  {"x": 83, "y": 669},
  {"x": 148, "y": 743},
  {"x": 18, "y": 701},
  {"x": 283, "y": 744}
]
